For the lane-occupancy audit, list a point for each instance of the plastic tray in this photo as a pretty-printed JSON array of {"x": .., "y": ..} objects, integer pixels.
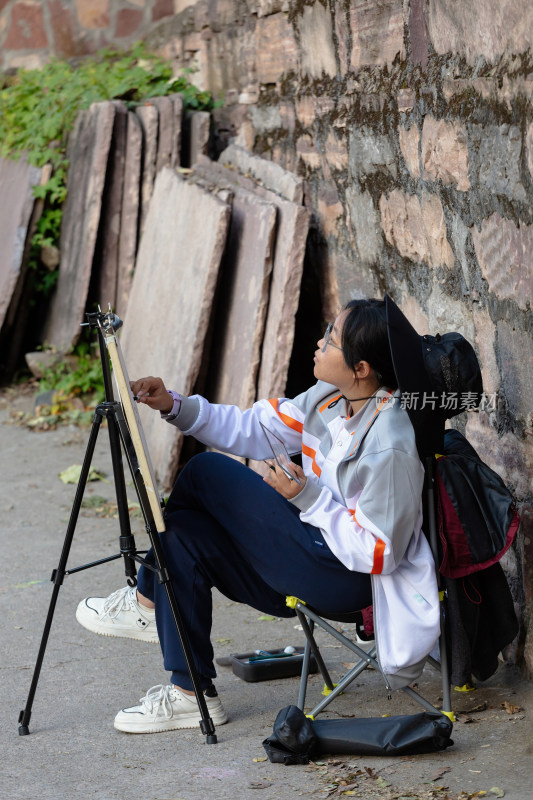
[{"x": 267, "y": 669}]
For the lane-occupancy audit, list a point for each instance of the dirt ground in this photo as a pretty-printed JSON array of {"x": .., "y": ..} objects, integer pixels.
[{"x": 73, "y": 750}]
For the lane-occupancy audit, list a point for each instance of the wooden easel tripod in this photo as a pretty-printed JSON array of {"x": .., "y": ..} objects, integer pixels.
[{"x": 106, "y": 325}]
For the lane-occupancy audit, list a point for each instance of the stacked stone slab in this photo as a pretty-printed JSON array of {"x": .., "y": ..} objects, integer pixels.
[
  {"x": 130, "y": 213},
  {"x": 278, "y": 187},
  {"x": 196, "y": 133},
  {"x": 149, "y": 118},
  {"x": 88, "y": 153},
  {"x": 17, "y": 203},
  {"x": 107, "y": 250},
  {"x": 114, "y": 158},
  {"x": 244, "y": 291},
  {"x": 171, "y": 299}
]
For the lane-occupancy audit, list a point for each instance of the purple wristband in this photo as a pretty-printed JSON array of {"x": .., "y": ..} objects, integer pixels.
[{"x": 175, "y": 410}]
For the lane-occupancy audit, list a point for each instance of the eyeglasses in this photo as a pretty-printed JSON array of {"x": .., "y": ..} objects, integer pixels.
[{"x": 327, "y": 341}]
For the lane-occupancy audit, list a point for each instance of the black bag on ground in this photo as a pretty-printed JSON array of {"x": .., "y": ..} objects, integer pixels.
[
  {"x": 292, "y": 739},
  {"x": 296, "y": 737}
]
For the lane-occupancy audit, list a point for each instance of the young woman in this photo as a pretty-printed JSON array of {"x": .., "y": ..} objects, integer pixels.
[{"x": 344, "y": 533}]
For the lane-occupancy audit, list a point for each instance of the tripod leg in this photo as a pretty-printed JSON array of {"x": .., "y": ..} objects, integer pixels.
[
  {"x": 59, "y": 573},
  {"x": 127, "y": 541}
]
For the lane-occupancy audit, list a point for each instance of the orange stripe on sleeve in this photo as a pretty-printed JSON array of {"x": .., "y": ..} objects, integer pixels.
[
  {"x": 379, "y": 549},
  {"x": 308, "y": 451},
  {"x": 290, "y": 422},
  {"x": 377, "y": 566}
]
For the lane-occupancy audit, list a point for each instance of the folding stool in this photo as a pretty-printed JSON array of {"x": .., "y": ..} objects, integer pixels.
[{"x": 309, "y": 617}]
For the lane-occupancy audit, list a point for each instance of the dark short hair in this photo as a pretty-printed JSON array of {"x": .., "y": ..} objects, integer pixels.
[{"x": 365, "y": 337}]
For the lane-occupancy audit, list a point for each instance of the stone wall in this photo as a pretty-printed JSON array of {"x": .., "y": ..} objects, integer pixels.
[
  {"x": 412, "y": 124},
  {"x": 33, "y": 30}
]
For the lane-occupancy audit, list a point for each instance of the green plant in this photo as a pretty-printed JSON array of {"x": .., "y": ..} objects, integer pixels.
[
  {"x": 38, "y": 109},
  {"x": 82, "y": 380}
]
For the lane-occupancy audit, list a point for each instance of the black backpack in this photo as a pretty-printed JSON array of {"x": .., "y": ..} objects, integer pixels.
[{"x": 477, "y": 517}]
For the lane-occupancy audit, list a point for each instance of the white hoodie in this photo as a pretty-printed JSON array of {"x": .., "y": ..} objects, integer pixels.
[{"x": 367, "y": 502}]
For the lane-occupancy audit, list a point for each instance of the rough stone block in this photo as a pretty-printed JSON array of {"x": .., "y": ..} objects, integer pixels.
[
  {"x": 249, "y": 96},
  {"x": 307, "y": 151},
  {"x": 106, "y": 253},
  {"x": 231, "y": 59},
  {"x": 440, "y": 250},
  {"x": 510, "y": 457},
  {"x": 17, "y": 179},
  {"x": 503, "y": 252},
  {"x": 267, "y": 173},
  {"x": 162, "y": 8},
  {"x": 277, "y": 51},
  {"x": 149, "y": 118},
  {"x": 416, "y": 229},
  {"x": 63, "y": 28},
  {"x": 377, "y": 32},
  {"x": 88, "y": 152},
  {"x": 247, "y": 267},
  {"x": 93, "y": 13},
  {"x": 498, "y": 156},
  {"x": 418, "y": 34},
  {"x": 265, "y": 118},
  {"x": 480, "y": 29},
  {"x": 198, "y": 128},
  {"x": 27, "y": 28},
  {"x": 330, "y": 208},
  {"x": 406, "y": 99},
  {"x": 445, "y": 153},
  {"x": 515, "y": 355},
  {"x": 485, "y": 344},
  {"x": 409, "y": 140},
  {"x": 311, "y": 107},
  {"x": 364, "y": 222},
  {"x": 41, "y": 360},
  {"x": 336, "y": 151},
  {"x": 414, "y": 313},
  {"x": 344, "y": 279},
  {"x": 179, "y": 5},
  {"x": 128, "y": 20},
  {"x": 266, "y": 7},
  {"x": 316, "y": 42},
  {"x": 28, "y": 61},
  {"x": 370, "y": 152},
  {"x": 181, "y": 247},
  {"x": 343, "y": 39},
  {"x": 129, "y": 220},
  {"x": 515, "y": 87}
]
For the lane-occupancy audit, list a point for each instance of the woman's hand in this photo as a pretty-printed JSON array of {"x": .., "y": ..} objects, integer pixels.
[
  {"x": 276, "y": 478},
  {"x": 153, "y": 393}
]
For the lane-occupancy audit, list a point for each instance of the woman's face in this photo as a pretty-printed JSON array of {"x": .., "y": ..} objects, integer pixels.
[{"x": 330, "y": 365}]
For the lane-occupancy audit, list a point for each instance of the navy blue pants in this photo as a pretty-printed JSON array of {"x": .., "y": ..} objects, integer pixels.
[{"x": 227, "y": 528}]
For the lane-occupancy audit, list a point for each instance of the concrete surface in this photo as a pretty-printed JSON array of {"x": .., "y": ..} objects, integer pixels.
[{"x": 73, "y": 750}]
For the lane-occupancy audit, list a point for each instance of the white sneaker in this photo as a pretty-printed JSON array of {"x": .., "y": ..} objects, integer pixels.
[
  {"x": 167, "y": 708},
  {"x": 118, "y": 615}
]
